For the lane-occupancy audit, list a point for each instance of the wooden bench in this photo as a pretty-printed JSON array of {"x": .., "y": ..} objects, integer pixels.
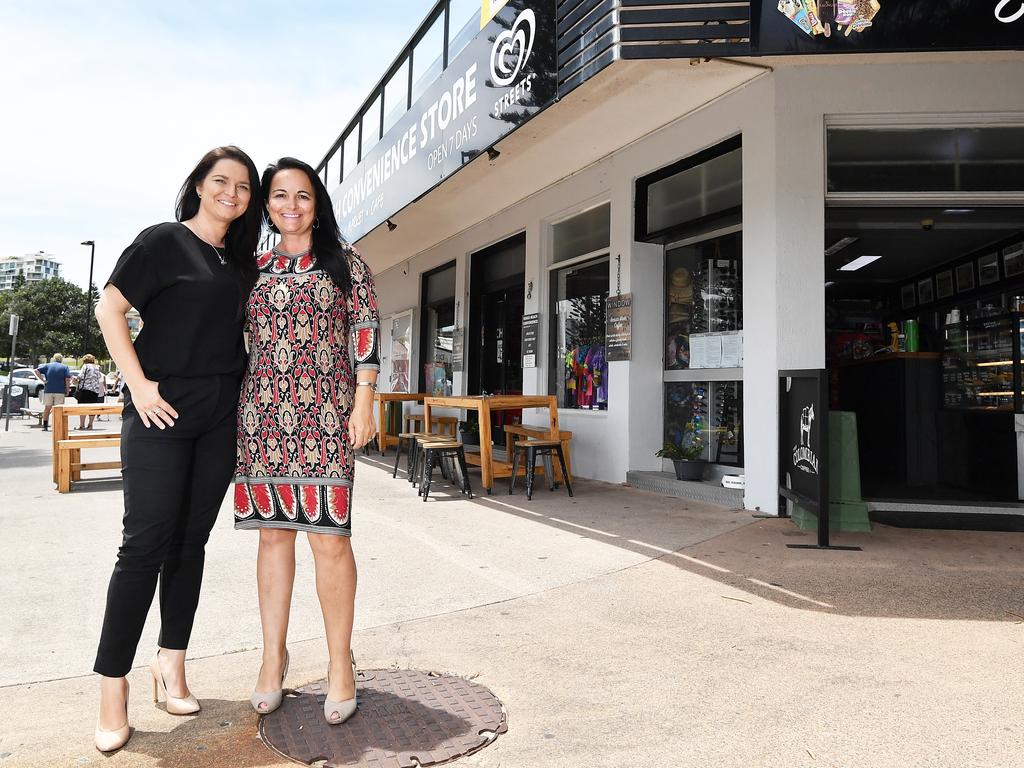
[
  {"x": 69, "y": 457},
  {"x": 33, "y": 414},
  {"x": 67, "y": 448}
]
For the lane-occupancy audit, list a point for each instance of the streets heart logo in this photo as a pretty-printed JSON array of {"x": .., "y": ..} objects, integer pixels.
[
  {"x": 512, "y": 48},
  {"x": 803, "y": 456},
  {"x": 825, "y": 17}
]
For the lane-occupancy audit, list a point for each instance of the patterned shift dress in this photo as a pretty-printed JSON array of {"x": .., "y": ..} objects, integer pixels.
[{"x": 295, "y": 464}]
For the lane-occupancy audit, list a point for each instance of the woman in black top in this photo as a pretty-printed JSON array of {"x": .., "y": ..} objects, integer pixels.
[{"x": 189, "y": 280}]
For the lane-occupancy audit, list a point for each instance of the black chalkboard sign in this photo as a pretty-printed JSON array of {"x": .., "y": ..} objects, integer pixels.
[{"x": 803, "y": 443}]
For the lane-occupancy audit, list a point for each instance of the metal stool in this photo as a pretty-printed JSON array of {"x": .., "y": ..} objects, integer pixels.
[
  {"x": 532, "y": 449},
  {"x": 435, "y": 451},
  {"x": 416, "y": 439}
]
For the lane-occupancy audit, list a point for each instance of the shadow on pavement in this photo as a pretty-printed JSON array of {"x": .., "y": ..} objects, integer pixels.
[
  {"x": 22, "y": 458},
  {"x": 900, "y": 572},
  {"x": 223, "y": 735}
]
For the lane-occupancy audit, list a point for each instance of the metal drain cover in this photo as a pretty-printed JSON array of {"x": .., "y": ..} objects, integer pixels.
[{"x": 406, "y": 718}]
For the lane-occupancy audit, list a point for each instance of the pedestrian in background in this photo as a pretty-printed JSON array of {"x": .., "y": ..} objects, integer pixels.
[
  {"x": 91, "y": 388},
  {"x": 189, "y": 280},
  {"x": 58, "y": 381},
  {"x": 306, "y": 407}
]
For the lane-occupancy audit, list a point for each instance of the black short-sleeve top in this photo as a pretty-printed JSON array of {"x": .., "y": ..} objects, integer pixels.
[{"x": 189, "y": 302}]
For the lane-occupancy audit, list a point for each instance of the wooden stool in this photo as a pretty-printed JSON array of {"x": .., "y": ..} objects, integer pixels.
[
  {"x": 533, "y": 448},
  {"x": 438, "y": 450}
]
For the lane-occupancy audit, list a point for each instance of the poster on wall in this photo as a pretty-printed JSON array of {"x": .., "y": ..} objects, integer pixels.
[
  {"x": 850, "y": 26},
  {"x": 908, "y": 296},
  {"x": 925, "y": 294},
  {"x": 619, "y": 326},
  {"x": 988, "y": 269},
  {"x": 531, "y": 326},
  {"x": 1013, "y": 260},
  {"x": 944, "y": 284},
  {"x": 965, "y": 277},
  {"x": 458, "y": 346}
]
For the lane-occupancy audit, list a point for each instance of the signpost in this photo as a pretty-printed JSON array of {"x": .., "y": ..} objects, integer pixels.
[
  {"x": 13, "y": 330},
  {"x": 803, "y": 447},
  {"x": 619, "y": 327}
]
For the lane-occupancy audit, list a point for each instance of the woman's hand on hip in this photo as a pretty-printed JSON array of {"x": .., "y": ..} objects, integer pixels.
[
  {"x": 152, "y": 408},
  {"x": 361, "y": 427}
]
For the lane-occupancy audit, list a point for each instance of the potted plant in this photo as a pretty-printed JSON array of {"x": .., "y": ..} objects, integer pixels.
[
  {"x": 469, "y": 432},
  {"x": 686, "y": 455}
]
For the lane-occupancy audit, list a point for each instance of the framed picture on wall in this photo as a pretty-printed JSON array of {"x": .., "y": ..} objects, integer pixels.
[
  {"x": 988, "y": 268},
  {"x": 908, "y": 296},
  {"x": 965, "y": 277},
  {"x": 1013, "y": 260},
  {"x": 944, "y": 284},
  {"x": 924, "y": 291}
]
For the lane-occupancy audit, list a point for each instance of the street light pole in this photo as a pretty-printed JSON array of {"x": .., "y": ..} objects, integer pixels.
[{"x": 88, "y": 295}]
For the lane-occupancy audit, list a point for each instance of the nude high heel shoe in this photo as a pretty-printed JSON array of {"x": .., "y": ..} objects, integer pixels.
[
  {"x": 110, "y": 741},
  {"x": 175, "y": 706},
  {"x": 265, "y": 703},
  {"x": 337, "y": 712}
]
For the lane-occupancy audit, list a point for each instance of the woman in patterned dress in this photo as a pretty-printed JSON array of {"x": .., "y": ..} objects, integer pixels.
[{"x": 306, "y": 407}]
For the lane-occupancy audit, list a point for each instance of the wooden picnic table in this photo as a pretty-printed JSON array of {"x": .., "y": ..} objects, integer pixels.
[
  {"x": 61, "y": 414},
  {"x": 491, "y": 468},
  {"x": 385, "y": 439}
]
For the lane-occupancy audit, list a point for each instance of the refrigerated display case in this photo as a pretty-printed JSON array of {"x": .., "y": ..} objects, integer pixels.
[{"x": 981, "y": 364}]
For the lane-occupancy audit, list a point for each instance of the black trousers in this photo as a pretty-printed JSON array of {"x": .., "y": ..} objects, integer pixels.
[{"x": 174, "y": 483}]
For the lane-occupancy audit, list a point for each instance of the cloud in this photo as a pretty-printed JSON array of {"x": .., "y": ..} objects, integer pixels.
[{"x": 108, "y": 106}]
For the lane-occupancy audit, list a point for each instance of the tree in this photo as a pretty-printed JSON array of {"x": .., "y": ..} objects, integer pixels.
[{"x": 52, "y": 316}]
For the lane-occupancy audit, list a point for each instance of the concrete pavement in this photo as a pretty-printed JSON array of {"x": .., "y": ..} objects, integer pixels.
[{"x": 609, "y": 625}]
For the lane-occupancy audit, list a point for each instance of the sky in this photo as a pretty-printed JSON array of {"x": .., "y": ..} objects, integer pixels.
[{"x": 108, "y": 106}]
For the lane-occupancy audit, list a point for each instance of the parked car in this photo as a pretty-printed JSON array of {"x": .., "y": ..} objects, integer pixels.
[
  {"x": 75, "y": 373},
  {"x": 26, "y": 377},
  {"x": 112, "y": 384}
]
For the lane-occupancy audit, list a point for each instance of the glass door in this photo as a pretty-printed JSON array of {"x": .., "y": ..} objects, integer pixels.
[{"x": 397, "y": 363}]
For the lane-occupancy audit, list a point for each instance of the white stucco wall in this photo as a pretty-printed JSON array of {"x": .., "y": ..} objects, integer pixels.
[{"x": 781, "y": 117}]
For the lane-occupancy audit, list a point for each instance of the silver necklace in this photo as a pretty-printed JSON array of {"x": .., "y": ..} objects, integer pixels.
[
  {"x": 220, "y": 257},
  {"x": 278, "y": 252}
]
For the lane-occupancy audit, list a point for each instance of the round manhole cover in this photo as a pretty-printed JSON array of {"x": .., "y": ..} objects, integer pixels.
[{"x": 406, "y": 718}]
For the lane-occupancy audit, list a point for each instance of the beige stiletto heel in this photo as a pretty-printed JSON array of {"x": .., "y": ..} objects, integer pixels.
[
  {"x": 343, "y": 710},
  {"x": 175, "y": 706},
  {"x": 110, "y": 741},
  {"x": 265, "y": 703}
]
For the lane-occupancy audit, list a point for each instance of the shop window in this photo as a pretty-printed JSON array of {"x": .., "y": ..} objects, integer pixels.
[
  {"x": 580, "y": 368},
  {"x": 427, "y": 58},
  {"x": 582, "y": 234},
  {"x": 696, "y": 194},
  {"x": 438, "y": 330},
  {"x": 706, "y": 415},
  {"x": 948, "y": 159},
  {"x": 463, "y": 25},
  {"x": 704, "y": 304},
  {"x": 396, "y": 95}
]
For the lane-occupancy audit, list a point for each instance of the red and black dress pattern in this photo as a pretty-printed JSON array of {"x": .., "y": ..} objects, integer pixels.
[{"x": 307, "y": 338}]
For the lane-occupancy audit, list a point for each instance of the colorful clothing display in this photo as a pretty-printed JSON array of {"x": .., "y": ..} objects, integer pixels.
[
  {"x": 586, "y": 377},
  {"x": 295, "y": 464}
]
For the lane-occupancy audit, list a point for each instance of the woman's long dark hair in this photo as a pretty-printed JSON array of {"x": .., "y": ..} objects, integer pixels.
[
  {"x": 244, "y": 232},
  {"x": 329, "y": 247}
]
